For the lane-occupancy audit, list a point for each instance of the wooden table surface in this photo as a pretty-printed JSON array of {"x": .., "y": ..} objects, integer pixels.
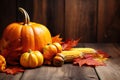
[{"x": 70, "y": 72}]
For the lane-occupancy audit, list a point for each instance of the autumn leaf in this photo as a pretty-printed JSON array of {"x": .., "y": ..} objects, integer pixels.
[
  {"x": 13, "y": 70},
  {"x": 97, "y": 59},
  {"x": 88, "y": 61},
  {"x": 57, "y": 39},
  {"x": 104, "y": 54},
  {"x": 68, "y": 44}
]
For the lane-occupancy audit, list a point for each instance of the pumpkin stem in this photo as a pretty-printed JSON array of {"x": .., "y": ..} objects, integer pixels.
[
  {"x": 27, "y": 18},
  {"x": 29, "y": 51}
]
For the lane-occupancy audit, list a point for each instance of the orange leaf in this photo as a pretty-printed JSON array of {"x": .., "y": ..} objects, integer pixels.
[
  {"x": 57, "y": 39},
  {"x": 68, "y": 44},
  {"x": 100, "y": 52},
  {"x": 88, "y": 61},
  {"x": 13, "y": 70},
  {"x": 97, "y": 59}
]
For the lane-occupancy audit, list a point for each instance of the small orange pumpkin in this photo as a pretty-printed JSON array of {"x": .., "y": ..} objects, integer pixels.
[
  {"x": 20, "y": 37},
  {"x": 2, "y": 63},
  {"x": 31, "y": 59},
  {"x": 50, "y": 50}
]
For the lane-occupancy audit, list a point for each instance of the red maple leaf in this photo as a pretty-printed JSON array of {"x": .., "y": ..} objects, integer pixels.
[
  {"x": 68, "y": 44},
  {"x": 88, "y": 61},
  {"x": 97, "y": 59}
]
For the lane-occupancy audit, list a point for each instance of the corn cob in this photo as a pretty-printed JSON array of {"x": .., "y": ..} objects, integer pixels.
[
  {"x": 68, "y": 56},
  {"x": 84, "y": 50}
]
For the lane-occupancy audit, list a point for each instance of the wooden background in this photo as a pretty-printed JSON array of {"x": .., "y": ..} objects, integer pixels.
[{"x": 90, "y": 20}]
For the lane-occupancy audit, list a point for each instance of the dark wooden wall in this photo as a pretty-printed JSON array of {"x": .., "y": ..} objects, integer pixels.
[
  {"x": 108, "y": 21},
  {"x": 89, "y": 20},
  {"x": 7, "y": 13}
]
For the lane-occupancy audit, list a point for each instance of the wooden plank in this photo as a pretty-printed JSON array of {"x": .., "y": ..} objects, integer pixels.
[
  {"x": 17, "y": 76},
  {"x": 108, "y": 20},
  {"x": 28, "y": 6},
  {"x": 80, "y": 19},
  {"x": 55, "y": 16},
  {"x": 111, "y": 70},
  {"x": 47, "y": 12},
  {"x": 7, "y": 13},
  {"x": 40, "y": 11},
  {"x": 66, "y": 72},
  {"x": 4, "y": 76}
]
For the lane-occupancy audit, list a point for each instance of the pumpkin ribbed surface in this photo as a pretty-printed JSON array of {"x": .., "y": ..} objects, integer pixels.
[
  {"x": 19, "y": 37},
  {"x": 31, "y": 59},
  {"x": 33, "y": 36}
]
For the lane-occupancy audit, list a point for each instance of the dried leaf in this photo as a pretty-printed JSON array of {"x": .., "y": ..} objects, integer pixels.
[
  {"x": 6, "y": 48},
  {"x": 97, "y": 59},
  {"x": 88, "y": 61},
  {"x": 68, "y": 44},
  {"x": 104, "y": 54},
  {"x": 57, "y": 39},
  {"x": 13, "y": 70},
  {"x": 13, "y": 59}
]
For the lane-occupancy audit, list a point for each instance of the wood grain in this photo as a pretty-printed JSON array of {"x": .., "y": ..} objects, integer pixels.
[
  {"x": 4, "y": 76},
  {"x": 111, "y": 70},
  {"x": 72, "y": 72},
  {"x": 46, "y": 12},
  {"x": 66, "y": 72},
  {"x": 80, "y": 19},
  {"x": 55, "y": 16},
  {"x": 28, "y": 6},
  {"x": 108, "y": 21},
  {"x": 40, "y": 11},
  {"x": 7, "y": 13},
  {"x": 90, "y": 20}
]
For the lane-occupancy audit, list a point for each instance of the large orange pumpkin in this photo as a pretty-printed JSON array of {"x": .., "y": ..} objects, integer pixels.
[{"x": 25, "y": 35}]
